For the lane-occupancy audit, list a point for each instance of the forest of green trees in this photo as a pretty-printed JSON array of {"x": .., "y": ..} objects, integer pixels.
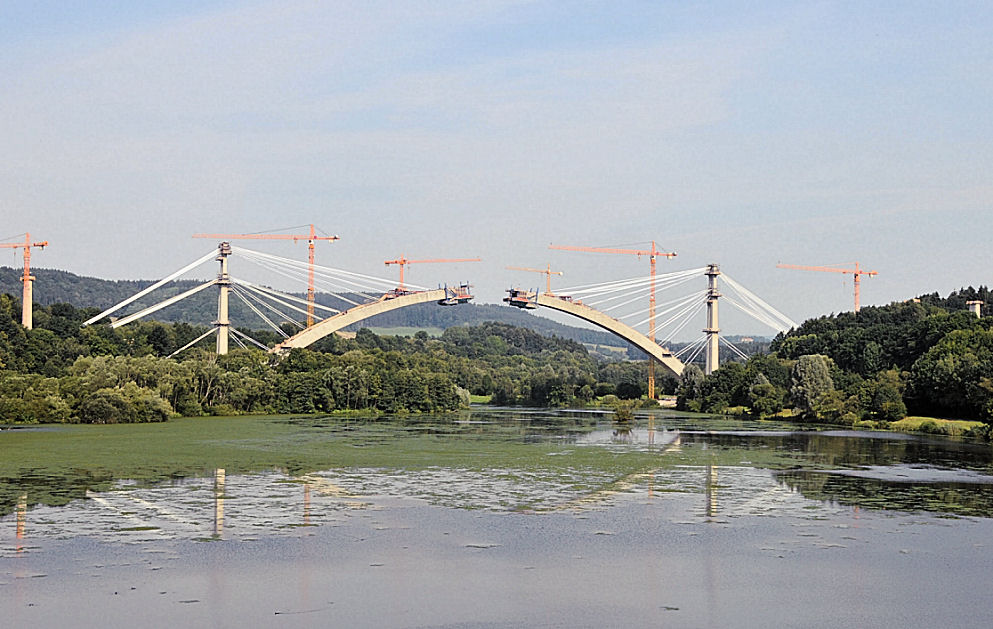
[
  {"x": 925, "y": 357},
  {"x": 62, "y": 372}
]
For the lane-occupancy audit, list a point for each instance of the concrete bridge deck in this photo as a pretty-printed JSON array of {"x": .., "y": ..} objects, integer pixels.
[{"x": 353, "y": 315}]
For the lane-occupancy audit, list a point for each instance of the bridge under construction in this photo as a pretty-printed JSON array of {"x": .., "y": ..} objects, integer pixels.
[{"x": 366, "y": 296}]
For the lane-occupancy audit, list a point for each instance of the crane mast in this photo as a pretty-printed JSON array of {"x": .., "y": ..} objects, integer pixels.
[
  {"x": 402, "y": 262},
  {"x": 26, "y": 294}
]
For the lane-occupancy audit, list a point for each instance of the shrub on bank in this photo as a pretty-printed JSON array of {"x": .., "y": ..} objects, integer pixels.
[
  {"x": 982, "y": 431},
  {"x": 129, "y": 404},
  {"x": 937, "y": 426}
]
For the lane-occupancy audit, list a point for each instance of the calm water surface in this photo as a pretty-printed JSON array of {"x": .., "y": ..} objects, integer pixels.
[{"x": 492, "y": 519}]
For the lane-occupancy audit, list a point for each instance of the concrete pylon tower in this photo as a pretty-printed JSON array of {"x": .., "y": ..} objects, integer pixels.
[
  {"x": 712, "y": 330},
  {"x": 223, "y": 324},
  {"x": 976, "y": 307}
]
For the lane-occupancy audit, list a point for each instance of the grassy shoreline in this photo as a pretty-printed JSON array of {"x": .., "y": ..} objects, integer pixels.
[{"x": 936, "y": 425}]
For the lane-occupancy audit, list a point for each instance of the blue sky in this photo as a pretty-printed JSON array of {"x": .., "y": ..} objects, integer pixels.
[{"x": 742, "y": 133}]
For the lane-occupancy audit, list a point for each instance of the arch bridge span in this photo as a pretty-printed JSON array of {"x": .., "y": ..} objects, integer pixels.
[
  {"x": 527, "y": 299},
  {"x": 390, "y": 301}
]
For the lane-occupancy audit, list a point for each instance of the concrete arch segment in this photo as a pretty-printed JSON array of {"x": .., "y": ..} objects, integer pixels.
[
  {"x": 624, "y": 331},
  {"x": 353, "y": 315}
]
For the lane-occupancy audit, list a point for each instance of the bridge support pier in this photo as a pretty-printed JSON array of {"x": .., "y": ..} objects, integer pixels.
[
  {"x": 223, "y": 323},
  {"x": 712, "y": 330}
]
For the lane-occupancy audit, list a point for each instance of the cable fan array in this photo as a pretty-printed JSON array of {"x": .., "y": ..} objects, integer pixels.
[
  {"x": 754, "y": 306},
  {"x": 274, "y": 308},
  {"x": 619, "y": 299},
  {"x": 747, "y": 302},
  {"x": 673, "y": 315},
  {"x": 616, "y": 298}
]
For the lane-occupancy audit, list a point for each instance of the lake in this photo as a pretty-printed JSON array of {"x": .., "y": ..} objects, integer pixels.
[{"x": 492, "y": 518}]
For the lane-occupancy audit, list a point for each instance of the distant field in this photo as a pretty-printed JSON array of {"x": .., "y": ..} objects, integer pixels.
[
  {"x": 406, "y": 331},
  {"x": 607, "y": 349}
]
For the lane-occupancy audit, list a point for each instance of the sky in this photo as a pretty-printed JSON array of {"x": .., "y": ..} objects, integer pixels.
[{"x": 739, "y": 133}]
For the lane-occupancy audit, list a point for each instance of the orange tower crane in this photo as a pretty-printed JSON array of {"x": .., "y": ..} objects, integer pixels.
[
  {"x": 547, "y": 271},
  {"x": 857, "y": 273},
  {"x": 310, "y": 238},
  {"x": 27, "y": 278},
  {"x": 403, "y": 262},
  {"x": 652, "y": 254}
]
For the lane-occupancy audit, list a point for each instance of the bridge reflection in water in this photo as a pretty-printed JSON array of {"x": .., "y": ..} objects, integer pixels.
[
  {"x": 160, "y": 511},
  {"x": 218, "y": 502},
  {"x": 685, "y": 465},
  {"x": 22, "y": 517}
]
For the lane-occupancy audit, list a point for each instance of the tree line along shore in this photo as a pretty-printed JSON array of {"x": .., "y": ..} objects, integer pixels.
[{"x": 920, "y": 358}]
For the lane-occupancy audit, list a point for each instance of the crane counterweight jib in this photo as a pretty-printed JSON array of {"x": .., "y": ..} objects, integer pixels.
[
  {"x": 638, "y": 252},
  {"x": 547, "y": 272},
  {"x": 403, "y": 262},
  {"x": 856, "y": 274}
]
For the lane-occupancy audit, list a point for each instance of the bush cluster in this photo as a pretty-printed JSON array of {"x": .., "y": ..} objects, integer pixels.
[{"x": 874, "y": 366}]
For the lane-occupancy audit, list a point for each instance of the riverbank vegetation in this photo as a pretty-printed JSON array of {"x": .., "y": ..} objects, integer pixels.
[
  {"x": 869, "y": 369},
  {"x": 938, "y": 426},
  {"x": 62, "y": 372},
  {"x": 866, "y": 370}
]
